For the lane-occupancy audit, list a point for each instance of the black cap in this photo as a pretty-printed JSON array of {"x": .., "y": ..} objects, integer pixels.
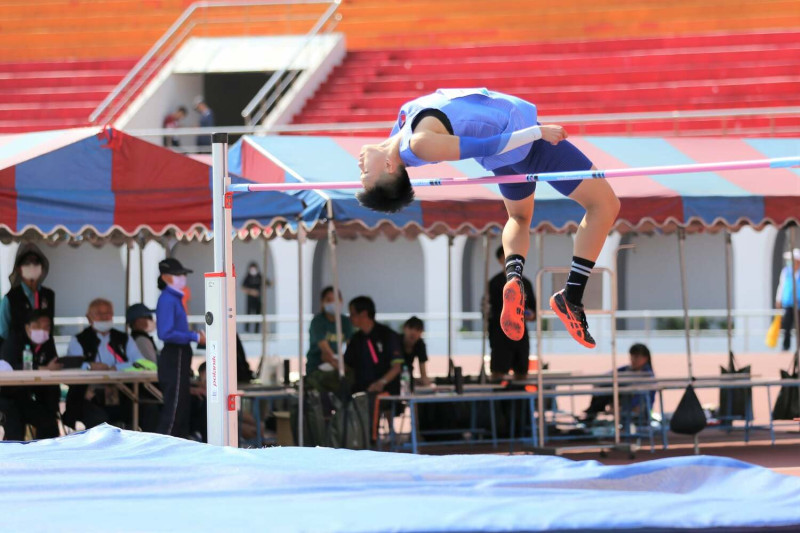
[
  {"x": 171, "y": 265},
  {"x": 137, "y": 311}
]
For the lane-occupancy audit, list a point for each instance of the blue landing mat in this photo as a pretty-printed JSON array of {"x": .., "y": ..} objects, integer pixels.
[{"x": 111, "y": 480}]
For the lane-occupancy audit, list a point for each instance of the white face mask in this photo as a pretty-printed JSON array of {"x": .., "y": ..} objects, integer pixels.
[
  {"x": 178, "y": 283},
  {"x": 40, "y": 336},
  {"x": 330, "y": 308},
  {"x": 31, "y": 272},
  {"x": 253, "y": 271},
  {"x": 103, "y": 326},
  {"x": 151, "y": 326}
]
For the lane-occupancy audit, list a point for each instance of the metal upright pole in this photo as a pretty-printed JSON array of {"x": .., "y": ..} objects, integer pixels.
[
  {"x": 449, "y": 306},
  {"x": 221, "y": 308},
  {"x": 685, "y": 300},
  {"x": 729, "y": 295},
  {"x": 265, "y": 359},
  {"x": 484, "y": 307},
  {"x": 336, "y": 289},
  {"x": 127, "y": 275},
  {"x": 300, "y": 354}
]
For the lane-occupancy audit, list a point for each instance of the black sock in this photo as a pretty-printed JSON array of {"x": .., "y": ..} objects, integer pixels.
[
  {"x": 576, "y": 281},
  {"x": 514, "y": 265}
]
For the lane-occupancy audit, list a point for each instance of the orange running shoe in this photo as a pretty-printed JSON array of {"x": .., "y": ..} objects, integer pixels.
[
  {"x": 512, "y": 318},
  {"x": 573, "y": 318}
]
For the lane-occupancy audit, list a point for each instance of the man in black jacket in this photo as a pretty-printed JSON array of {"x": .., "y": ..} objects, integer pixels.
[
  {"x": 373, "y": 355},
  {"x": 103, "y": 347},
  {"x": 37, "y": 406},
  {"x": 507, "y": 354}
]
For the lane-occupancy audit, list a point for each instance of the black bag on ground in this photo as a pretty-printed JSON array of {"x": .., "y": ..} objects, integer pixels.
[
  {"x": 315, "y": 419},
  {"x": 688, "y": 418},
  {"x": 733, "y": 402},
  {"x": 349, "y": 427},
  {"x": 787, "y": 406}
]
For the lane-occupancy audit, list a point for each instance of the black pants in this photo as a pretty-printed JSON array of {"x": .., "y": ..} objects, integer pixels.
[
  {"x": 787, "y": 323},
  {"x": 253, "y": 308},
  {"x": 99, "y": 409},
  {"x": 174, "y": 375},
  {"x": 37, "y": 406}
]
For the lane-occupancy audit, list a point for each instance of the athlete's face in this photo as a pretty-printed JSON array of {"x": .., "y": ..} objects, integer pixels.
[{"x": 373, "y": 162}]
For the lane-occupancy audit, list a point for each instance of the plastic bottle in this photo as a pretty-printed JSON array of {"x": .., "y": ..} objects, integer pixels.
[
  {"x": 405, "y": 382},
  {"x": 27, "y": 358}
]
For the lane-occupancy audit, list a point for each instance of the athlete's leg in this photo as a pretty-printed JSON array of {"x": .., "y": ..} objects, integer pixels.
[
  {"x": 602, "y": 207},
  {"x": 516, "y": 241},
  {"x": 517, "y": 231}
]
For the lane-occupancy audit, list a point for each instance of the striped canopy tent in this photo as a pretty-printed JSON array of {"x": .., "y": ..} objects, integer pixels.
[
  {"x": 100, "y": 184},
  {"x": 706, "y": 201}
]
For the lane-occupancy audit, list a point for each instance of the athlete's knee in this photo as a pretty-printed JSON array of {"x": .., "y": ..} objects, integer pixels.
[{"x": 521, "y": 219}]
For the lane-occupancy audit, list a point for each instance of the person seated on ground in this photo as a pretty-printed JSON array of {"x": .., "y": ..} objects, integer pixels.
[
  {"x": 507, "y": 354},
  {"x": 374, "y": 357},
  {"x": 36, "y": 406},
  {"x": 322, "y": 363},
  {"x": 103, "y": 348},
  {"x": 140, "y": 319},
  {"x": 641, "y": 362},
  {"x": 414, "y": 348}
]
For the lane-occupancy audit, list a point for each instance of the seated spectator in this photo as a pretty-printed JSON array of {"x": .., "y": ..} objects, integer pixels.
[
  {"x": 414, "y": 348},
  {"x": 140, "y": 320},
  {"x": 103, "y": 348},
  {"x": 641, "y": 361},
  {"x": 37, "y": 406},
  {"x": 322, "y": 363},
  {"x": 374, "y": 358},
  {"x": 27, "y": 294}
]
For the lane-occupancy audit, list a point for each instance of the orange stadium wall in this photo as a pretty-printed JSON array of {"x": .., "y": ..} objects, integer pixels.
[{"x": 60, "y": 29}]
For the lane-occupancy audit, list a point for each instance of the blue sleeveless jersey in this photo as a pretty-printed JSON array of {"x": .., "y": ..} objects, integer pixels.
[{"x": 472, "y": 113}]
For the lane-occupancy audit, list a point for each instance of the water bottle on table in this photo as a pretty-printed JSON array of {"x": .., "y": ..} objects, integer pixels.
[
  {"x": 27, "y": 358},
  {"x": 405, "y": 382}
]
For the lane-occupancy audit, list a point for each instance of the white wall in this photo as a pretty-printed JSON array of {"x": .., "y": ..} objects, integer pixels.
[
  {"x": 200, "y": 258},
  {"x": 170, "y": 92},
  {"x": 80, "y": 274},
  {"x": 653, "y": 275},
  {"x": 391, "y": 273}
]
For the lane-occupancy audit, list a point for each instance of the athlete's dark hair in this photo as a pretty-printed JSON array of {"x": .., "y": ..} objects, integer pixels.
[
  {"x": 415, "y": 323},
  {"x": 363, "y": 303},
  {"x": 391, "y": 192},
  {"x": 500, "y": 253},
  {"x": 641, "y": 349}
]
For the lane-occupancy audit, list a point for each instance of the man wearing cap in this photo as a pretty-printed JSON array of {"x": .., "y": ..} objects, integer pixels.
[
  {"x": 784, "y": 298},
  {"x": 140, "y": 320},
  {"x": 174, "y": 363},
  {"x": 27, "y": 293},
  {"x": 103, "y": 347}
]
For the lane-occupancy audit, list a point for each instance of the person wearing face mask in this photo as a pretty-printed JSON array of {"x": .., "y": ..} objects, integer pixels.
[
  {"x": 174, "y": 362},
  {"x": 37, "y": 406},
  {"x": 253, "y": 286},
  {"x": 322, "y": 363},
  {"x": 27, "y": 293},
  {"x": 140, "y": 320},
  {"x": 103, "y": 347}
]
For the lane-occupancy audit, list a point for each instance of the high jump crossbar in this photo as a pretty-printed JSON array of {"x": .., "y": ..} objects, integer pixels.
[{"x": 780, "y": 162}]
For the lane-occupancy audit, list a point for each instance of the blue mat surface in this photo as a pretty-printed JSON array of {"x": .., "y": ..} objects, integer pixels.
[{"x": 111, "y": 480}]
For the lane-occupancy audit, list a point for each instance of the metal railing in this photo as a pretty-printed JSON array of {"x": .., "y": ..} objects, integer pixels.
[
  {"x": 155, "y": 58},
  {"x": 281, "y": 80}
]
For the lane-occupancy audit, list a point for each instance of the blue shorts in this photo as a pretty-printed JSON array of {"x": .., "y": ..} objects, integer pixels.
[{"x": 544, "y": 157}]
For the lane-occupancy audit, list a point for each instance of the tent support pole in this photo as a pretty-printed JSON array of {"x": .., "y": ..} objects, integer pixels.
[
  {"x": 685, "y": 301},
  {"x": 450, "y": 366},
  {"x": 264, "y": 303},
  {"x": 484, "y": 307},
  {"x": 729, "y": 295},
  {"x": 336, "y": 289},
  {"x": 301, "y": 370}
]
